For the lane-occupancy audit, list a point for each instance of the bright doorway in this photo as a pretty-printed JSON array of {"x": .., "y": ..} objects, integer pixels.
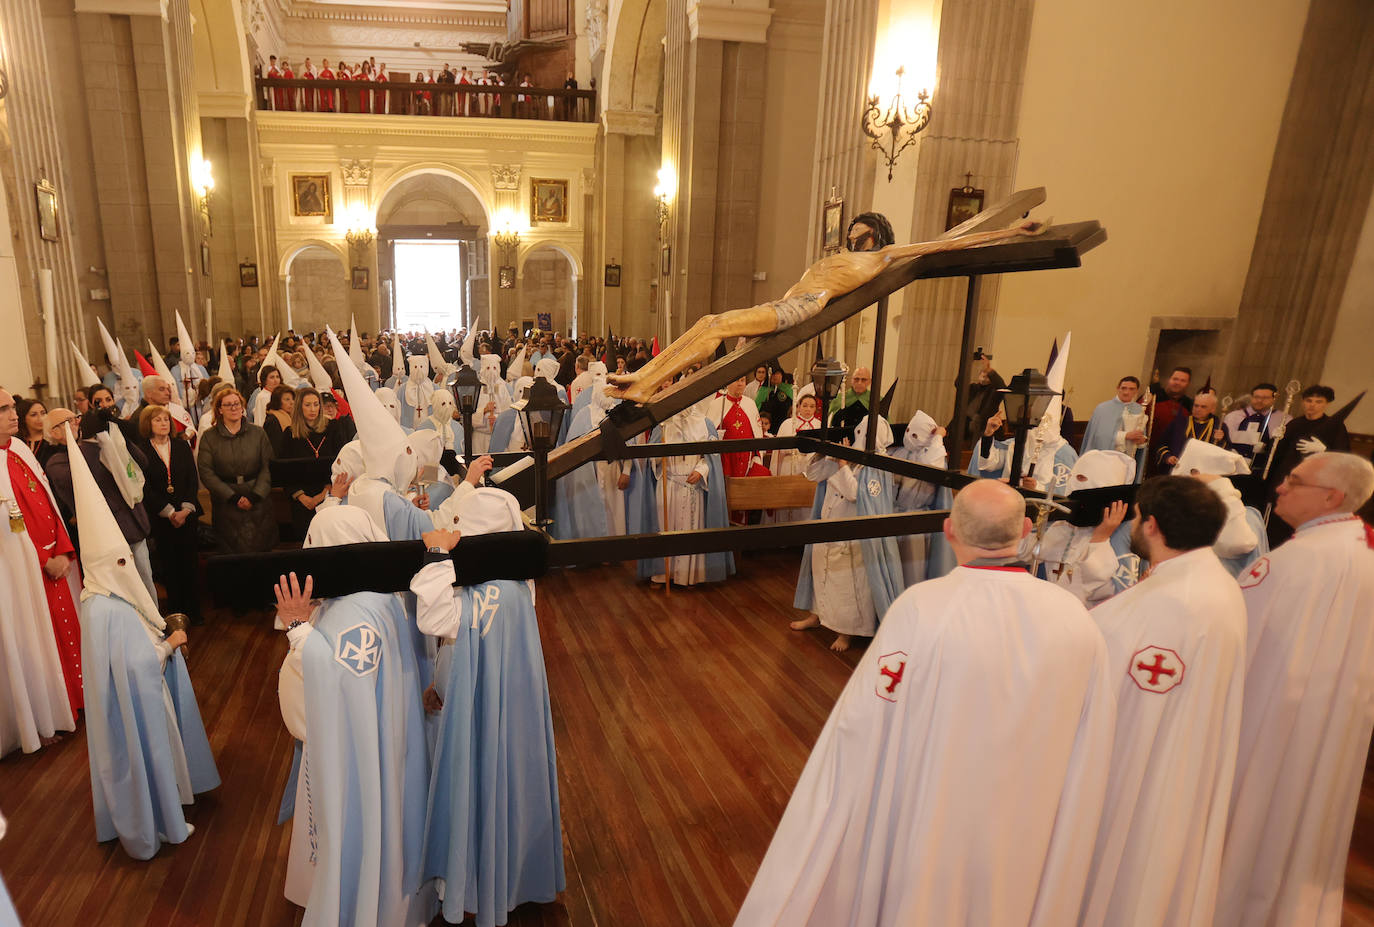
[{"x": 429, "y": 285}]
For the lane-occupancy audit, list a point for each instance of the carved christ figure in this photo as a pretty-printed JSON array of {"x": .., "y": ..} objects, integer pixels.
[{"x": 823, "y": 281}]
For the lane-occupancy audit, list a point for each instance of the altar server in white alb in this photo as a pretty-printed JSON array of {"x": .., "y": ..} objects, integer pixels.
[
  {"x": 960, "y": 777},
  {"x": 148, "y": 751},
  {"x": 1176, "y": 642},
  {"x": 1306, "y": 723}
]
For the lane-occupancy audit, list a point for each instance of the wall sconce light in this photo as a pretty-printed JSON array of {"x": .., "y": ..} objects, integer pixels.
[
  {"x": 506, "y": 233},
  {"x": 899, "y": 120},
  {"x": 360, "y": 232},
  {"x": 203, "y": 181},
  {"x": 664, "y": 191}
]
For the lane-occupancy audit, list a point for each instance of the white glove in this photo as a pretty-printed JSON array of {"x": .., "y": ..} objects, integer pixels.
[{"x": 1309, "y": 446}]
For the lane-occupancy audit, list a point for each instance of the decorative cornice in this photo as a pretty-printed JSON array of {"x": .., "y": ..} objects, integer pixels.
[
  {"x": 123, "y": 7},
  {"x": 290, "y": 126},
  {"x": 723, "y": 20},
  {"x": 223, "y": 104},
  {"x": 356, "y": 173},
  {"x": 505, "y": 176},
  {"x": 630, "y": 122}
]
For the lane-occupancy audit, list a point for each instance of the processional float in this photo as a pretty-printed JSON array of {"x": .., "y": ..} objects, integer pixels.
[{"x": 247, "y": 579}]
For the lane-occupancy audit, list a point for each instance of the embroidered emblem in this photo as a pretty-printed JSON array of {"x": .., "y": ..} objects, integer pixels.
[
  {"x": 359, "y": 649},
  {"x": 1061, "y": 474},
  {"x": 1256, "y": 574},
  {"x": 1127, "y": 570},
  {"x": 1156, "y": 669},
  {"x": 484, "y": 609},
  {"x": 891, "y": 667},
  {"x": 874, "y": 487}
]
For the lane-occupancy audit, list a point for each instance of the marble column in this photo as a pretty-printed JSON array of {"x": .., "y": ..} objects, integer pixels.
[{"x": 34, "y": 153}]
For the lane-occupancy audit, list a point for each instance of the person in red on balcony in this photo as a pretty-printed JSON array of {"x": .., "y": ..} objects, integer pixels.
[
  {"x": 310, "y": 98},
  {"x": 383, "y": 97},
  {"x": 364, "y": 96},
  {"x": 289, "y": 95},
  {"x": 326, "y": 96},
  {"x": 274, "y": 73}
]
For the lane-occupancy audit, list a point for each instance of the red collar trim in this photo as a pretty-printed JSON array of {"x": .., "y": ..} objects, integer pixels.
[{"x": 1000, "y": 569}]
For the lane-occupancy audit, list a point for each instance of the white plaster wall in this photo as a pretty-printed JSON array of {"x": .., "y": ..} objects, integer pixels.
[
  {"x": 15, "y": 372},
  {"x": 1160, "y": 121},
  {"x": 1347, "y": 369}
]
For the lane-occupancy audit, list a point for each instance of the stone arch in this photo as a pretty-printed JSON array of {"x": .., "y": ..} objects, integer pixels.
[
  {"x": 293, "y": 250},
  {"x": 633, "y": 71},
  {"x": 527, "y": 249},
  {"x": 482, "y": 190},
  {"x": 554, "y": 288},
  {"x": 315, "y": 278}
]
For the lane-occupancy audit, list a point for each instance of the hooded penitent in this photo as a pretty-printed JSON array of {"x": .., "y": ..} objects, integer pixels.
[
  {"x": 107, "y": 563},
  {"x": 318, "y": 375},
  {"x": 128, "y": 383},
  {"x": 922, "y": 441},
  {"x": 1205, "y": 457},
  {"x": 84, "y": 367},
  {"x": 441, "y": 408},
  {"x": 546, "y": 368},
  {"x": 175, "y": 408},
  {"x": 885, "y": 436},
  {"x": 186, "y": 347},
  {"x": 387, "y": 397},
  {"x": 1096, "y": 469},
  {"x": 226, "y": 367},
  {"x": 388, "y": 458}
]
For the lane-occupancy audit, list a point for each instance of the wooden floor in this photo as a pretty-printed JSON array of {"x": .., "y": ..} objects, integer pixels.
[{"x": 682, "y": 724}]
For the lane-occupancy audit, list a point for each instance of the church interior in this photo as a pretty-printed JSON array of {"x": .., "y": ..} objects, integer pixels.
[{"x": 620, "y": 169}]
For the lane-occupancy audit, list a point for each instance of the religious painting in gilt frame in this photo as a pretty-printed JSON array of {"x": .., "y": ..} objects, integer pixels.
[
  {"x": 310, "y": 195},
  {"x": 548, "y": 200},
  {"x": 45, "y": 196},
  {"x": 964, "y": 203},
  {"x": 612, "y": 275},
  {"x": 506, "y": 277},
  {"x": 248, "y": 274},
  {"x": 360, "y": 278},
  {"x": 832, "y": 225}
]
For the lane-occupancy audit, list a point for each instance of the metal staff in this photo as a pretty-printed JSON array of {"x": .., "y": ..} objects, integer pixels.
[{"x": 1290, "y": 390}]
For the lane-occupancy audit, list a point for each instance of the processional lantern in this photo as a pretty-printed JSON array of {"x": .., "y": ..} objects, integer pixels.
[
  {"x": 466, "y": 386},
  {"x": 541, "y": 413},
  {"x": 1025, "y": 400},
  {"x": 827, "y": 377}
]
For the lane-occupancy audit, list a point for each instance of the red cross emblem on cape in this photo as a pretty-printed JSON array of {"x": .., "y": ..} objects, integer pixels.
[
  {"x": 1156, "y": 669},
  {"x": 891, "y": 667},
  {"x": 1256, "y": 574}
]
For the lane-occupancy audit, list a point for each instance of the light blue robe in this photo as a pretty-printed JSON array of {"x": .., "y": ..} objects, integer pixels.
[
  {"x": 133, "y": 777},
  {"x": 994, "y": 474},
  {"x": 578, "y": 509},
  {"x": 882, "y": 560},
  {"x": 643, "y": 505},
  {"x": 455, "y": 430},
  {"x": 200, "y": 373},
  {"x": 1100, "y": 435},
  {"x": 939, "y": 555},
  {"x": 1238, "y": 565},
  {"x": 368, "y": 763},
  {"x": 493, "y": 832},
  {"x": 8, "y": 916},
  {"x": 1064, "y": 459},
  {"x": 503, "y": 431}
]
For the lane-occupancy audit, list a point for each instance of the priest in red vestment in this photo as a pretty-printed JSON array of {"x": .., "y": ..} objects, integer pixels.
[
  {"x": 278, "y": 95},
  {"x": 308, "y": 73},
  {"x": 736, "y": 417},
  {"x": 40, "y": 641},
  {"x": 289, "y": 96},
  {"x": 326, "y": 96}
]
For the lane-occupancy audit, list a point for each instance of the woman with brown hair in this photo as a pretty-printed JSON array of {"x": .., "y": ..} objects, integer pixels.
[
  {"x": 171, "y": 490},
  {"x": 234, "y": 458},
  {"x": 277, "y": 422},
  {"x": 312, "y": 436},
  {"x": 31, "y": 415}
]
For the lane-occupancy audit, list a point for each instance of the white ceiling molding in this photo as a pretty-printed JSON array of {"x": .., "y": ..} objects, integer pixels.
[
  {"x": 729, "y": 22},
  {"x": 223, "y": 104},
  {"x": 123, "y": 7}
]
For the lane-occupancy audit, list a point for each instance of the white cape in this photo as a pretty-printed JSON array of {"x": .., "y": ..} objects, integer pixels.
[
  {"x": 960, "y": 777},
  {"x": 33, "y": 692},
  {"x": 1309, "y": 709},
  {"x": 1176, "y": 642}
]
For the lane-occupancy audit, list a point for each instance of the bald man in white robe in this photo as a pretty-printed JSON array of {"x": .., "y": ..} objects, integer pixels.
[
  {"x": 960, "y": 777},
  {"x": 1176, "y": 642}
]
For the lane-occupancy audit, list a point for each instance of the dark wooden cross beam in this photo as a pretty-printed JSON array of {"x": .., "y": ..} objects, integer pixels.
[{"x": 1059, "y": 247}]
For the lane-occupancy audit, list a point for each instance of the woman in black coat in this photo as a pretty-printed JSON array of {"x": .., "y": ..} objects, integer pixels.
[
  {"x": 170, "y": 495},
  {"x": 311, "y": 437}
]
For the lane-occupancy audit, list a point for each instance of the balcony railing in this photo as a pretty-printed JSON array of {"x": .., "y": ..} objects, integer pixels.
[{"x": 421, "y": 98}]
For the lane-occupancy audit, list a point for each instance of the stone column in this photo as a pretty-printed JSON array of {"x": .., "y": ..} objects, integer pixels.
[
  {"x": 274, "y": 310},
  {"x": 627, "y": 223},
  {"x": 504, "y": 303},
  {"x": 364, "y": 304},
  {"x": 34, "y": 154}
]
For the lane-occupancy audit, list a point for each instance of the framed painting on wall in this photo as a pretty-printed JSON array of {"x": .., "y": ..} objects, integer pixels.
[
  {"x": 506, "y": 277},
  {"x": 964, "y": 203},
  {"x": 248, "y": 274},
  {"x": 45, "y": 197},
  {"x": 548, "y": 200},
  {"x": 310, "y": 195},
  {"x": 612, "y": 275},
  {"x": 832, "y": 224},
  {"x": 360, "y": 278}
]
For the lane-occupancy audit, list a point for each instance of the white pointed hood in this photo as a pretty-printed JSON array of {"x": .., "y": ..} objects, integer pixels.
[
  {"x": 107, "y": 563},
  {"x": 226, "y": 367},
  {"x": 885, "y": 436},
  {"x": 83, "y": 365},
  {"x": 318, "y": 375},
  {"x": 160, "y": 364},
  {"x": 185, "y": 346},
  {"x": 494, "y": 388},
  {"x": 128, "y": 384},
  {"x": 386, "y": 454},
  {"x": 516, "y": 369},
  {"x": 176, "y": 408},
  {"x": 355, "y": 347},
  {"x": 1096, "y": 469},
  {"x": 338, "y": 525},
  {"x": 436, "y": 359},
  {"x": 390, "y": 401},
  {"x": 546, "y": 368},
  {"x": 1048, "y": 430},
  {"x": 465, "y": 352},
  {"x": 1205, "y": 457},
  {"x": 398, "y": 355}
]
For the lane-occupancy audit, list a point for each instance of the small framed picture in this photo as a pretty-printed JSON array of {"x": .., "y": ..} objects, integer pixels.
[
  {"x": 506, "y": 277},
  {"x": 548, "y": 200},
  {"x": 45, "y": 195},
  {"x": 612, "y": 275},
  {"x": 248, "y": 274},
  {"x": 964, "y": 203},
  {"x": 310, "y": 195},
  {"x": 545, "y": 320},
  {"x": 665, "y": 260},
  {"x": 832, "y": 225},
  {"x": 360, "y": 278},
  {"x": 205, "y": 259}
]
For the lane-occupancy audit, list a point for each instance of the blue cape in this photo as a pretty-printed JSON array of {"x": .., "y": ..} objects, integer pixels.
[
  {"x": 882, "y": 559},
  {"x": 133, "y": 780},
  {"x": 493, "y": 832},
  {"x": 643, "y": 504},
  {"x": 367, "y": 759},
  {"x": 503, "y": 431},
  {"x": 578, "y": 509}
]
